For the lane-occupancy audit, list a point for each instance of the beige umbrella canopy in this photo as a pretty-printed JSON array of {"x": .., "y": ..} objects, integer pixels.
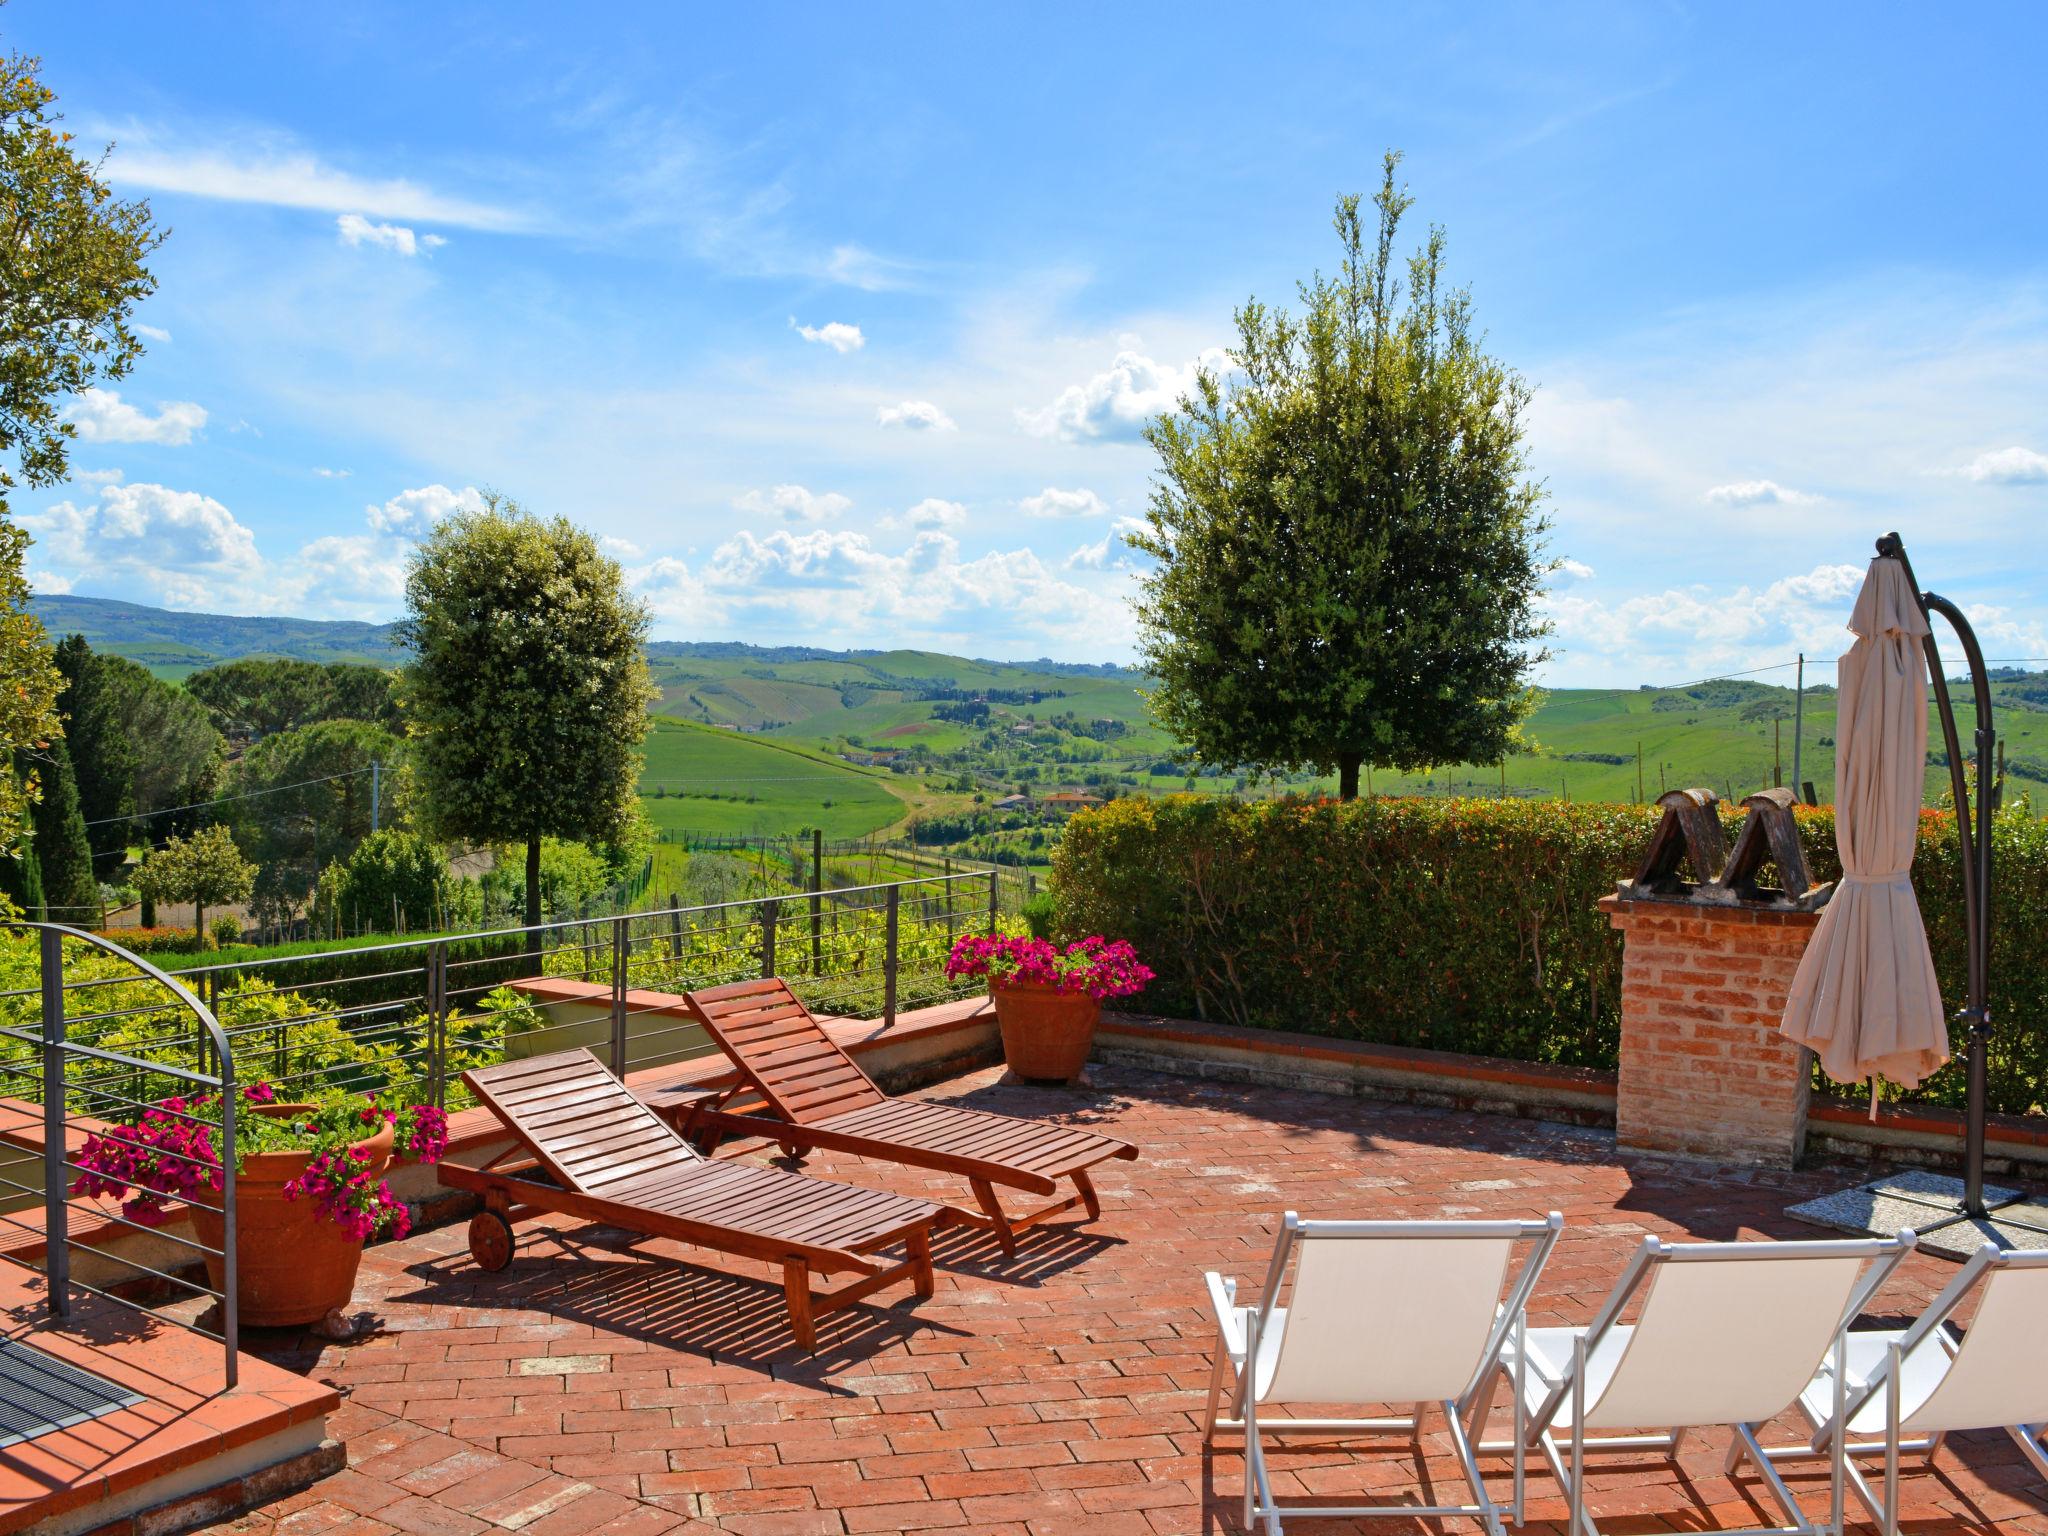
[{"x": 1865, "y": 999}]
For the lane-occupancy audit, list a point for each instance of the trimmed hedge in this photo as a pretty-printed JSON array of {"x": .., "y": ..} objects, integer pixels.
[{"x": 1470, "y": 925}]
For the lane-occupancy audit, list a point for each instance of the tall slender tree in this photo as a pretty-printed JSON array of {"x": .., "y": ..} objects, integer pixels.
[
  {"x": 102, "y": 756},
  {"x": 71, "y": 892},
  {"x": 526, "y": 692},
  {"x": 1345, "y": 532},
  {"x": 71, "y": 274}
]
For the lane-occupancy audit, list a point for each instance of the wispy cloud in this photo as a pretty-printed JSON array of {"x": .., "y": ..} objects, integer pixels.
[
  {"x": 283, "y": 175},
  {"x": 836, "y": 334},
  {"x": 357, "y": 230},
  {"x": 794, "y": 504},
  {"x": 1054, "y": 502},
  {"x": 1759, "y": 493},
  {"x": 915, "y": 416},
  {"x": 2007, "y": 466}
]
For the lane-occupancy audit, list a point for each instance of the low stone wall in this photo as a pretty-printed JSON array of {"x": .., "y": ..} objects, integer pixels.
[{"x": 1319, "y": 1064}]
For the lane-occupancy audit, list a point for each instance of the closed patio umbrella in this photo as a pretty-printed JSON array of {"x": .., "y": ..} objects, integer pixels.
[{"x": 1865, "y": 998}]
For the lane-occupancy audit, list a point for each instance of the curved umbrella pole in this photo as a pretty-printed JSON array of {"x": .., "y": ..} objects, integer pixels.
[{"x": 1975, "y": 844}]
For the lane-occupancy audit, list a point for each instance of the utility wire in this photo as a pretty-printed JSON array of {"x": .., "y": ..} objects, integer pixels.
[{"x": 200, "y": 805}]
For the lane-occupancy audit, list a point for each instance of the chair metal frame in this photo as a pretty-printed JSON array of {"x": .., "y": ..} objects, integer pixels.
[
  {"x": 1849, "y": 1402},
  {"x": 1239, "y": 1352},
  {"x": 1883, "y": 1256}
]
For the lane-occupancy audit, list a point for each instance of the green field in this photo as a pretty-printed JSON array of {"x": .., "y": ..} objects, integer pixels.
[{"x": 722, "y": 781}]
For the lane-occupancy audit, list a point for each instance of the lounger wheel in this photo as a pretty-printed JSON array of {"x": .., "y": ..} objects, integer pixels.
[
  {"x": 490, "y": 1241},
  {"x": 793, "y": 1152}
]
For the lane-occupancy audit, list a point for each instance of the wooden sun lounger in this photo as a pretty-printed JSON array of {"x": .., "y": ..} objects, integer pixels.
[
  {"x": 586, "y": 1147},
  {"x": 815, "y": 1096}
]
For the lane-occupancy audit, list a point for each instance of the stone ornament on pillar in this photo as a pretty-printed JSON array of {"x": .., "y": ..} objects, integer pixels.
[{"x": 1706, "y": 964}]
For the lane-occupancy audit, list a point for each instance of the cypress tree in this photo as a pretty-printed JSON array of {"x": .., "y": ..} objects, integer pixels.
[
  {"x": 102, "y": 755},
  {"x": 21, "y": 876},
  {"x": 71, "y": 891}
]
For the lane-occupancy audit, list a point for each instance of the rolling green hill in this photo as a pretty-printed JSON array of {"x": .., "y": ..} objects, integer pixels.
[
  {"x": 701, "y": 779},
  {"x": 176, "y": 645},
  {"x": 927, "y": 732}
]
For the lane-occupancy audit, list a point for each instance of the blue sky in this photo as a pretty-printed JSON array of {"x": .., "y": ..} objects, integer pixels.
[{"x": 839, "y": 324}]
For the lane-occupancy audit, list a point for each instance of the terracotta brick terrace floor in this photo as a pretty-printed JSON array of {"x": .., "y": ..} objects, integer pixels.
[{"x": 589, "y": 1390}]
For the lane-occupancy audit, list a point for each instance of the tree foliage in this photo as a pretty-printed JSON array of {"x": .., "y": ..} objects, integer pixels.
[
  {"x": 71, "y": 273},
  {"x": 205, "y": 869},
  {"x": 28, "y": 687},
  {"x": 391, "y": 877},
  {"x": 177, "y": 754},
  {"x": 102, "y": 757},
  {"x": 261, "y": 696},
  {"x": 526, "y": 694},
  {"x": 1346, "y": 537},
  {"x": 71, "y": 891},
  {"x": 304, "y": 802}
]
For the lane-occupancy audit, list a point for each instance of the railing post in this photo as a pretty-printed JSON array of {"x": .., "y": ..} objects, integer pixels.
[
  {"x": 993, "y": 911},
  {"x": 437, "y": 1024},
  {"x": 619, "y": 997},
  {"x": 817, "y": 902},
  {"x": 675, "y": 927},
  {"x": 56, "y": 1208},
  {"x": 891, "y": 914},
  {"x": 230, "y": 1266},
  {"x": 769, "y": 913}
]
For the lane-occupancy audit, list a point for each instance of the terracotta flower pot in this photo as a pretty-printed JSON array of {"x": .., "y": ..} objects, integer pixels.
[
  {"x": 293, "y": 1266},
  {"x": 1046, "y": 1032}
]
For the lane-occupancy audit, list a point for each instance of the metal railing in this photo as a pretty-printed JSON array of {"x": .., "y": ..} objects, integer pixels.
[
  {"x": 106, "y": 1036},
  {"x": 115, "y": 1044},
  {"x": 418, "y": 1011}
]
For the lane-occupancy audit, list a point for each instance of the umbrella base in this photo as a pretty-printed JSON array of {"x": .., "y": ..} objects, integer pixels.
[{"x": 1932, "y": 1205}]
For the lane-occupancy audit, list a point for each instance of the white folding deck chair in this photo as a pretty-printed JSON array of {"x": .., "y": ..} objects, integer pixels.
[
  {"x": 1728, "y": 1333},
  {"x": 1995, "y": 1377},
  {"x": 1380, "y": 1312}
]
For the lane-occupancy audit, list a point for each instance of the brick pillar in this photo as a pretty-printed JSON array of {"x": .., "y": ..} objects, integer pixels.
[{"x": 1704, "y": 1071}]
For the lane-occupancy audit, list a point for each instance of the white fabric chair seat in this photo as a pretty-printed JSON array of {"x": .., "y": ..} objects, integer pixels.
[
  {"x": 1924, "y": 1369},
  {"x": 1550, "y": 1357}
]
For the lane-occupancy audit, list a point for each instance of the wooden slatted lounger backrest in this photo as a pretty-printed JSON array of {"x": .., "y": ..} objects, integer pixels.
[
  {"x": 582, "y": 1123},
  {"x": 783, "y": 1051}
]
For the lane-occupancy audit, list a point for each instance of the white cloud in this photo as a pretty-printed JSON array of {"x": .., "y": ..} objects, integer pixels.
[
  {"x": 915, "y": 416},
  {"x": 186, "y": 547},
  {"x": 412, "y": 514},
  {"x": 153, "y": 332},
  {"x": 1054, "y": 502},
  {"x": 929, "y": 513},
  {"x": 285, "y": 176},
  {"x": 1115, "y": 406},
  {"x": 1695, "y": 631},
  {"x": 836, "y": 334},
  {"x": 102, "y": 416},
  {"x": 794, "y": 504},
  {"x": 928, "y": 590},
  {"x": 1759, "y": 493},
  {"x": 332, "y": 474},
  {"x": 1110, "y": 552},
  {"x": 1572, "y": 570},
  {"x": 357, "y": 230},
  {"x": 96, "y": 476},
  {"x": 2007, "y": 466}
]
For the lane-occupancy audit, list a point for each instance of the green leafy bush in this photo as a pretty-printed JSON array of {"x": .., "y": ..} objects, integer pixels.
[{"x": 1471, "y": 925}]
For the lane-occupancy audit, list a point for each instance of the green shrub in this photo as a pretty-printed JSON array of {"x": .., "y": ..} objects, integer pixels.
[
  {"x": 1471, "y": 925},
  {"x": 226, "y": 930}
]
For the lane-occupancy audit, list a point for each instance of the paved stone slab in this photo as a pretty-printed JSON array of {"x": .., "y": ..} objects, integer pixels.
[{"x": 1059, "y": 1391}]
